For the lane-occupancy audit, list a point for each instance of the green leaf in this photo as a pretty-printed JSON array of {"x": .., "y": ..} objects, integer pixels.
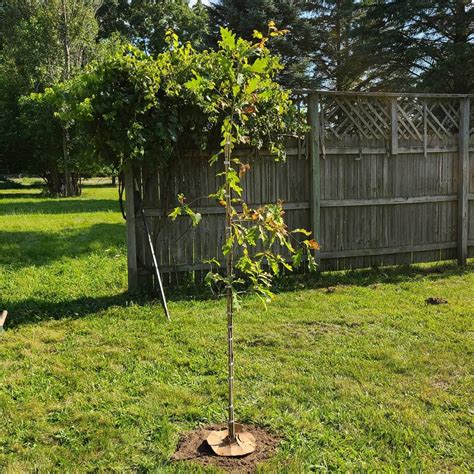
[
  {"x": 259, "y": 66},
  {"x": 252, "y": 85},
  {"x": 227, "y": 247},
  {"x": 301, "y": 231},
  {"x": 174, "y": 213},
  {"x": 297, "y": 258},
  {"x": 228, "y": 38}
]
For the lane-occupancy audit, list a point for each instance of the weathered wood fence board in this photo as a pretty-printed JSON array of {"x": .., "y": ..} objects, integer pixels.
[{"x": 382, "y": 179}]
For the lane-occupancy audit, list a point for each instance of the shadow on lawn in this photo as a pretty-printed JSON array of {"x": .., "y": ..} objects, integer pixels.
[
  {"x": 373, "y": 276},
  {"x": 55, "y": 205},
  {"x": 20, "y": 249},
  {"x": 35, "y": 310},
  {"x": 360, "y": 277},
  {"x": 20, "y": 195}
]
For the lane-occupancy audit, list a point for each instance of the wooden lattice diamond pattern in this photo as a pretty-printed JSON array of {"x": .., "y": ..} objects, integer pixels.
[
  {"x": 367, "y": 117},
  {"x": 370, "y": 117},
  {"x": 419, "y": 117}
]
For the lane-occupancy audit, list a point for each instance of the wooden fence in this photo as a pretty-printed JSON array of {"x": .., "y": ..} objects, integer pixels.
[{"x": 381, "y": 179}]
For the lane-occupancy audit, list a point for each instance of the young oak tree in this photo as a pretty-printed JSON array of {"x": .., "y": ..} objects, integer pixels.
[{"x": 235, "y": 86}]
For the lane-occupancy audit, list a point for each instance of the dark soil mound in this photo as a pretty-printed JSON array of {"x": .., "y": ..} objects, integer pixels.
[
  {"x": 435, "y": 300},
  {"x": 193, "y": 447}
]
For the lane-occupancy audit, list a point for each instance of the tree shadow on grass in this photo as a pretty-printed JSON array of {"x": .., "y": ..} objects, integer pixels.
[
  {"x": 20, "y": 195},
  {"x": 56, "y": 206},
  {"x": 359, "y": 277},
  {"x": 32, "y": 310},
  {"x": 373, "y": 276},
  {"x": 19, "y": 249}
]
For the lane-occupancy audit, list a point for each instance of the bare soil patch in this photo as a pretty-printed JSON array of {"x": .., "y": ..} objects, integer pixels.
[
  {"x": 193, "y": 447},
  {"x": 435, "y": 300}
]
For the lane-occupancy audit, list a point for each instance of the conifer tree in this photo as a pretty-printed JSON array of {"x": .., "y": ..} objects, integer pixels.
[{"x": 423, "y": 45}]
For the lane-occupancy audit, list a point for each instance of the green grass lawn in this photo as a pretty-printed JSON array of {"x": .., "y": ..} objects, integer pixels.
[{"x": 91, "y": 379}]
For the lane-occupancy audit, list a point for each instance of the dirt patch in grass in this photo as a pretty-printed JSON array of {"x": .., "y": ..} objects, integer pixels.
[
  {"x": 435, "y": 300},
  {"x": 193, "y": 447}
]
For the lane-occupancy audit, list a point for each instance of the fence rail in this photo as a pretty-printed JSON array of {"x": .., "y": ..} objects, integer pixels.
[{"x": 381, "y": 179}]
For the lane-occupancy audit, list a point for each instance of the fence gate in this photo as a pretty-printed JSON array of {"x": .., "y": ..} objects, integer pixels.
[{"x": 381, "y": 179}]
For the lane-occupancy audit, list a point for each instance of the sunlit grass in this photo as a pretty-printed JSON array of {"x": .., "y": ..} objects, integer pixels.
[{"x": 366, "y": 378}]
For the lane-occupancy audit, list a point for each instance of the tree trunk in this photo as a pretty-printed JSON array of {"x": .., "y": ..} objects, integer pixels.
[
  {"x": 53, "y": 180},
  {"x": 229, "y": 298},
  {"x": 65, "y": 39},
  {"x": 68, "y": 185},
  {"x": 461, "y": 45}
]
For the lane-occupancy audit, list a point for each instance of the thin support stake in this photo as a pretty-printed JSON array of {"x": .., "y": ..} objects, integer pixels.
[
  {"x": 155, "y": 263},
  {"x": 229, "y": 297}
]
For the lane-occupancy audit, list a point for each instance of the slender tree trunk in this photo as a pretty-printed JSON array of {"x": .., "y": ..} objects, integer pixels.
[
  {"x": 68, "y": 191},
  {"x": 65, "y": 39},
  {"x": 229, "y": 297},
  {"x": 461, "y": 42}
]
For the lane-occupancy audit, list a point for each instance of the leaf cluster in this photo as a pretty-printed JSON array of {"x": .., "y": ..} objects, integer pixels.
[
  {"x": 136, "y": 106},
  {"x": 237, "y": 90}
]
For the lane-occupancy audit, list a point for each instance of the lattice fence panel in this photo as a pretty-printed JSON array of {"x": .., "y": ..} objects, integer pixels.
[
  {"x": 370, "y": 117},
  {"x": 367, "y": 117},
  {"x": 419, "y": 117}
]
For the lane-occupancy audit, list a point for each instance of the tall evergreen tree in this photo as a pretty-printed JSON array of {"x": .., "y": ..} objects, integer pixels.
[
  {"x": 245, "y": 16},
  {"x": 416, "y": 45},
  {"x": 317, "y": 48},
  {"x": 330, "y": 41}
]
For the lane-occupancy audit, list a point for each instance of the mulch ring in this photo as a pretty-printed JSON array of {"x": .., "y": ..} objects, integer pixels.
[{"x": 193, "y": 447}]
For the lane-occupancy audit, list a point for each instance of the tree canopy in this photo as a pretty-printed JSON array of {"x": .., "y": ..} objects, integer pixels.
[{"x": 398, "y": 45}]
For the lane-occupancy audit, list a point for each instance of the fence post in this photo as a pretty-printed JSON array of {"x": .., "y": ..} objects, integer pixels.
[
  {"x": 131, "y": 229},
  {"x": 463, "y": 180},
  {"x": 314, "y": 122},
  {"x": 394, "y": 124}
]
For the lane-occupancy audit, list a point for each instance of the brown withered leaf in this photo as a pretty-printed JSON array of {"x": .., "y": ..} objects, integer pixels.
[
  {"x": 312, "y": 244},
  {"x": 249, "y": 109},
  {"x": 243, "y": 169}
]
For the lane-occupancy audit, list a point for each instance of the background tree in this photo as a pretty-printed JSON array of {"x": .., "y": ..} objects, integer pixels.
[
  {"x": 343, "y": 44},
  {"x": 329, "y": 43},
  {"x": 318, "y": 46},
  {"x": 246, "y": 16},
  {"x": 425, "y": 45},
  {"x": 145, "y": 23},
  {"x": 45, "y": 151},
  {"x": 41, "y": 43}
]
